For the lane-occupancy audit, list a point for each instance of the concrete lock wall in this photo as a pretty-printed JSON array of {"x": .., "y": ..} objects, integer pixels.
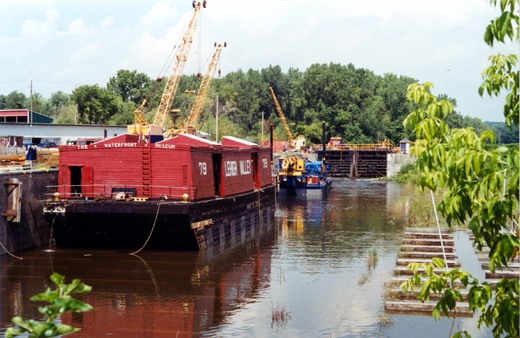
[
  {"x": 395, "y": 162},
  {"x": 32, "y": 230}
]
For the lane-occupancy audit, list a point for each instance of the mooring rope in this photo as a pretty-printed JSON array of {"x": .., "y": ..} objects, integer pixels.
[
  {"x": 51, "y": 237},
  {"x": 9, "y": 252},
  {"x": 445, "y": 259},
  {"x": 440, "y": 235},
  {"x": 152, "y": 275},
  {"x": 151, "y": 232}
]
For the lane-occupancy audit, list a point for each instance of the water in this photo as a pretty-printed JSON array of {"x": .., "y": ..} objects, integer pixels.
[{"x": 313, "y": 269}]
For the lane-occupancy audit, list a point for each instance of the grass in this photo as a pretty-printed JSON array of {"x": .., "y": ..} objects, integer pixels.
[
  {"x": 279, "y": 316},
  {"x": 280, "y": 275},
  {"x": 363, "y": 279},
  {"x": 384, "y": 321},
  {"x": 372, "y": 258}
]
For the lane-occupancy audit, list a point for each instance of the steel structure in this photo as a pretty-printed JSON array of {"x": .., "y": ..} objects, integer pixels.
[
  {"x": 293, "y": 143},
  {"x": 190, "y": 123},
  {"x": 178, "y": 66},
  {"x": 175, "y": 75},
  {"x": 192, "y": 119}
]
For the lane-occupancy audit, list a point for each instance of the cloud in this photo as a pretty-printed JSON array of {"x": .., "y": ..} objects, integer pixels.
[
  {"x": 108, "y": 22},
  {"x": 89, "y": 54},
  {"x": 157, "y": 20},
  {"x": 77, "y": 27},
  {"x": 36, "y": 30}
]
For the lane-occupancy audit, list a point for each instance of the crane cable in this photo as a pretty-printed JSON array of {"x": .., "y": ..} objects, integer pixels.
[
  {"x": 167, "y": 64},
  {"x": 209, "y": 111}
]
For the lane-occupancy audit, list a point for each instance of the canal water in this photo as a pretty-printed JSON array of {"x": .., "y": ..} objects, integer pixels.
[{"x": 309, "y": 277}]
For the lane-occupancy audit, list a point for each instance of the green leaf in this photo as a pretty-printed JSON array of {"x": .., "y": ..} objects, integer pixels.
[
  {"x": 57, "y": 279},
  {"x": 63, "y": 329},
  {"x": 13, "y": 332},
  {"x": 438, "y": 262}
]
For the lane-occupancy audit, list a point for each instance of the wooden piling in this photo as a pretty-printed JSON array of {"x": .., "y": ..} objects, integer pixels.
[
  {"x": 427, "y": 235},
  {"x": 502, "y": 274},
  {"x": 429, "y": 230},
  {"x": 398, "y": 280},
  {"x": 424, "y": 309},
  {"x": 511, "y": 266},
  {"x": 426, "y": 255},
  {"x": 406, "y": 261},
  {"x": 425, "y": 241},
  {"x": 396, "y": 293},
  {"x": 425, "y": 248},
  {"x": 403, "y": 271}
]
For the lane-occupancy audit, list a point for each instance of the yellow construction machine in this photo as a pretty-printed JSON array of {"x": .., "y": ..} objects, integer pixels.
[
  {"x": 189, "y": 125},
  {"x": 140, "y": 126},
  {"x": 297, "y": 143}
]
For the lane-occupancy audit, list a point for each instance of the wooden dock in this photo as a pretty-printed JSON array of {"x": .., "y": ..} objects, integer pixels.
[
  {"x": 420, "y": 245},
  {"x": 510, "y": 271}
]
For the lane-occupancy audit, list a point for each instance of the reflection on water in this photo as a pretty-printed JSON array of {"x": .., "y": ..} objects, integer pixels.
[{"x": 313, "y": 264}]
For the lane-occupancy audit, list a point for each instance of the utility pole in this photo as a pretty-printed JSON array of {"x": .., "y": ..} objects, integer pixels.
[
  {"x": 75, "y": 109},
  {"x": 216, "y": 118},
  {"x": 262, "y": 128},
  {"x": 31, "y": 117}
]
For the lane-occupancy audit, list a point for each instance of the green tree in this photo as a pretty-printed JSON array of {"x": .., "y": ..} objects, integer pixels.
[
  {"x": 125, "y": 113},
  {"x": 130, "y": 85},
  {"x": 95, "y": 104},
  {"x": 39, "y": 104},
  {"x": 15, "y": 100},
  {"x": 480, "y": 187},
  {"x": 3, "y": 104},
  {"x": 58, "y": 101}
]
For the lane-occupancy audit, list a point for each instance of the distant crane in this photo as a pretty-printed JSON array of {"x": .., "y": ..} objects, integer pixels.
[
  {"x": 140, "y": 126},
  {"x": 293, "y": 143},
  {"x": 190, "y": 123}
]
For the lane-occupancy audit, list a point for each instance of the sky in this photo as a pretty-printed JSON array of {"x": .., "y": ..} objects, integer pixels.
[{"x": 64, "y": 44}]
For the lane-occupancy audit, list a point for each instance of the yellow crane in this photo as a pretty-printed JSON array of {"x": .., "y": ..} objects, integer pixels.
[
  {"x": 293, "y": 143},
  {"x": 140, "y": 126},
  {"x": 190, "y": 123}
]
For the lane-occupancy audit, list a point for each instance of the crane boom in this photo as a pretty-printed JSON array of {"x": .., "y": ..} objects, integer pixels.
[
  {"x": 192, "y": 119},
  {"x": 282, "y": 118},
  {"x": 178, "y": 66}
]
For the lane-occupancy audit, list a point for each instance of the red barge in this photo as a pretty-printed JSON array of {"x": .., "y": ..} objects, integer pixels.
[{"x": 184, "y": 193}]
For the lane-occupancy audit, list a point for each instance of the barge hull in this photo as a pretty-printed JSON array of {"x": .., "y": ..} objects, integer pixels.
[{"x": 169, "y": 225}]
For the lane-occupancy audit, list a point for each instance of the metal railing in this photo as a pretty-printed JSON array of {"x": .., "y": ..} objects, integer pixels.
[{"x": 110, "y": 190}]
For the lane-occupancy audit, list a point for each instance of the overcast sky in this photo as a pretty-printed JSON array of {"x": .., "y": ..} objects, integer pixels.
[{"x": 66, "y": 43}]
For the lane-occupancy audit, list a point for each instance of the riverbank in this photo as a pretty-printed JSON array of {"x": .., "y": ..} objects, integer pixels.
[{"x": 22, "y": 226}]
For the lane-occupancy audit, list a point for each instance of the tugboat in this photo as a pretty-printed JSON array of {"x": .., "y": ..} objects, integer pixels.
[{"x": 297, "y": 175}]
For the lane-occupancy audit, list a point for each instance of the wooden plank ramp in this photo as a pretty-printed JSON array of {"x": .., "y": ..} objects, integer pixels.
[
  {"x": 420, "y": 245},
  {"x": 511, "y": 271},
  {"x": 398, "y": 280},
  {"x": 417, "y": 308},
  {"x": 425, "y": 248},
  {"x": 426, "y": 255},
  {"x": 397, "y": 294},
  {"x": 406, "y": 261}
]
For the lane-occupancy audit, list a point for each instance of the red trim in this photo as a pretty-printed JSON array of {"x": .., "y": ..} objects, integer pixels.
[{"x": 14, "y": 112}]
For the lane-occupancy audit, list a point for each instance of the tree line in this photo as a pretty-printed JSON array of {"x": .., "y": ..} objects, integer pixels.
[{"x": 355, "y": 103}]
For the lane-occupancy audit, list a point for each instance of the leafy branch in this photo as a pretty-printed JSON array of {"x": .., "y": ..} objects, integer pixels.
[{"x": 61, "y": 303}]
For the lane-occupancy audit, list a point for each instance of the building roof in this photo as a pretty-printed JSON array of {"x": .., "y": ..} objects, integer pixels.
[
  {"x": 188, "y": 139},
  {"x": 230, "y": 141},
  {"x": 36, "y": 117}
]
